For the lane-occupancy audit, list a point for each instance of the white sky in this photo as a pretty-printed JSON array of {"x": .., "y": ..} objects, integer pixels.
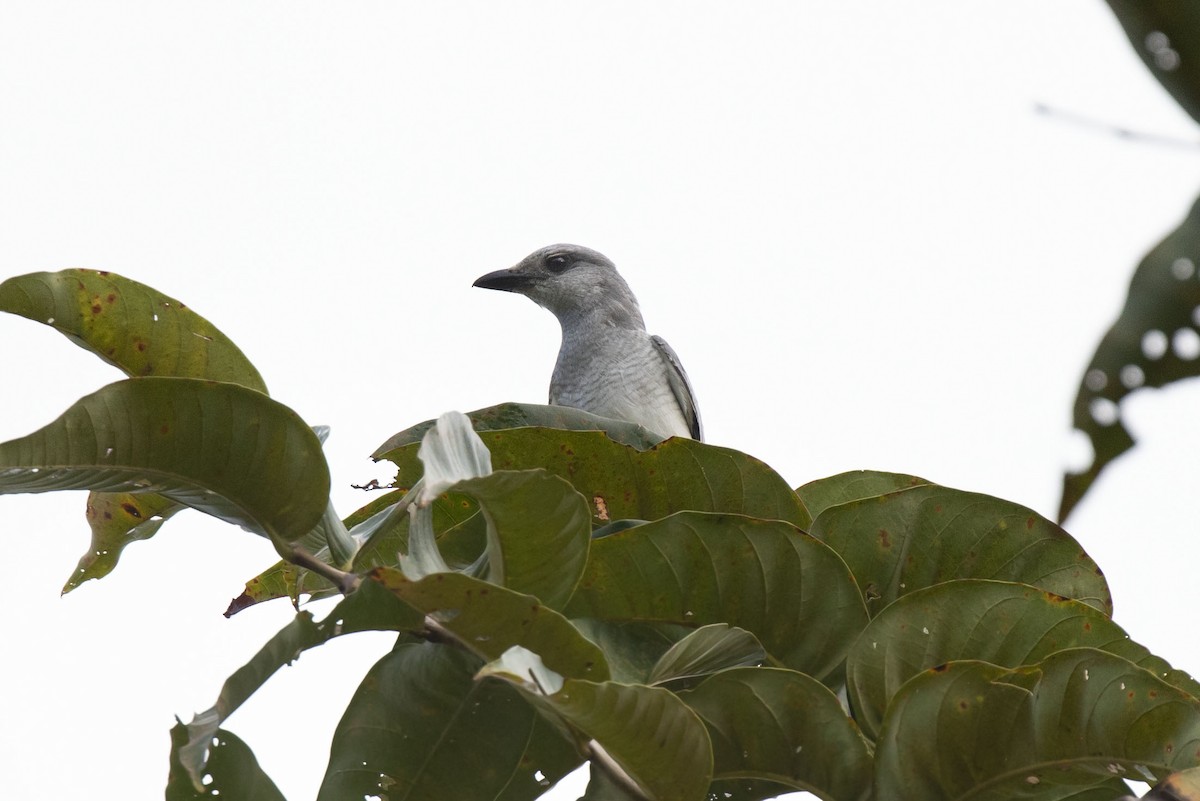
[{"x": 846, "y": 218}]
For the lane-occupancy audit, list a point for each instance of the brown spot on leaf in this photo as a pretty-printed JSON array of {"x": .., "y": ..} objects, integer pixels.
[
  {"x": 131, "y": 510},
  {"x": 963, "y": 706},
  {"x": 164, "y": 429},
  {"x": 940, "y": 668},
  {"x": 601, "y": 507},
  {"x": 97, "y": 308},
  {"x": 885, "y": 538},
  {"x": 112, "y": 297},
  {"x": 140, "y": 345},
  {"x": 101, "y": 272},
  {"x": 1030, "y": 523}
]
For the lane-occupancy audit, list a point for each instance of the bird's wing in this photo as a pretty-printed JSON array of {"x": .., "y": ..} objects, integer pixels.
[{"x": 677, "y": 377}]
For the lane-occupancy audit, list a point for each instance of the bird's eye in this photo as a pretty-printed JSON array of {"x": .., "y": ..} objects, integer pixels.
[{"x": 557, "y": 263}]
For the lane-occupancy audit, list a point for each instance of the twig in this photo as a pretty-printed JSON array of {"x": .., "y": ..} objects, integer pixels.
[
  {"x": 606, "y": 763},
  {"x": 1119, "y": 131},
  {"x": 345, "y": 582}
]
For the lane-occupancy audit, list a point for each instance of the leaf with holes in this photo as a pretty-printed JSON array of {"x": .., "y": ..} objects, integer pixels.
[
  {"x": 142, "y": 332},
  {"x": 784, "y": 727},
  {"x": 854, "y": 485},
  {"x": 990, "y": 621},
  {"x": 622, "y": 482},
  {"x": 369, "y": 608},
  {"x": 1077, "y": 719},
  {"x": 1166, "y": 36},
  {"x": 421, "y": 726},
  {"x": 1152, "y": 343},
  {"x": 765, "y": 576},
  {"x": 903, "y": 541},
  {"x": 226, "y": 450},
  {"x": 232, "y": 772}
]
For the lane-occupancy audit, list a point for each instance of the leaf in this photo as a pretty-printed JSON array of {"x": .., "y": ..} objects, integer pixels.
[
  {"x": 507, "y": 416},
  {"x": 226, "y": 450},
  {"x": 131, "y": 326},
  {"x": 117, "y": 519},
  {"x": 903, "y": 541},
  {"x": 143, "y": 332},
  {"x": 488, "y": 620},
  {"x": 1166, "y": 36},
  {"x": 233, "y": 773},
  {"x": 369, "y": 608},
  {"x": 1078, "y": 718},
  {"x": 989, "y": 621},
  {"x": 421, "y": 727},
  {"x": 707, "y": 650},
  {"x": 648, "y": 732},
  {"x": 765, "y": 576},
  {"x": 623, "y": 482},
  {"x": 782, "y": 726},
  {"x": 631, "y": 648},
  {"x": 538, "y": 533},
  {"x": 819, "y": 495},
  {"x": 1153, "y": 342}
]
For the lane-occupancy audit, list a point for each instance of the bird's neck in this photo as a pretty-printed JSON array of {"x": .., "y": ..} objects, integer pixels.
[{"x": 607, "y": 312}]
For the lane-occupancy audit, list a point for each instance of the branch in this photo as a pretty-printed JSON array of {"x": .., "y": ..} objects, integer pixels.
[
  {"x": 345, "y": 582},
  {"x": 601, "y": 759},
  {"x": 1119, "y": 131}
]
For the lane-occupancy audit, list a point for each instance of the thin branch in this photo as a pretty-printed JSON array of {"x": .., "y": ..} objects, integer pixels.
[
  {"x": 606, "y": 763},
  {"x": 1119, "y": 131},
  {"x": 345, "y": 582}
]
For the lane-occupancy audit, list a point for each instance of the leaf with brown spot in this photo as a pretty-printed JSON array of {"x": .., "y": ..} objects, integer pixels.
[
  {"x": 1002, "y": 623},
  {"x": 1079, "y": 719},
  {"x": 938, "y": 534},
  {"x": 141, "y": 332}
]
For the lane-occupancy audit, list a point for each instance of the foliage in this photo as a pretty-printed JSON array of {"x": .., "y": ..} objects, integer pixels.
[
  {"x": 672, "y": 612},
  {"x": 1156, "y": 338}
]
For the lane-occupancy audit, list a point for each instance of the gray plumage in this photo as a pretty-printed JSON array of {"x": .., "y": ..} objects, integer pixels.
[{"x": 608, "y": 364}]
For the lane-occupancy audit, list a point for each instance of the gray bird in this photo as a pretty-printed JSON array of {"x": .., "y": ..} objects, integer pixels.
[{"x": 607, "y": 365}]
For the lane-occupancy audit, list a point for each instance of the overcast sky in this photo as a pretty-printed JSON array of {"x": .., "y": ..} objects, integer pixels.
[{"x": 866, "y": 247}]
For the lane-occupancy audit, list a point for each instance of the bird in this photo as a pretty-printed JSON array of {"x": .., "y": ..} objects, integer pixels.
[{"x": 607, "y": 364}]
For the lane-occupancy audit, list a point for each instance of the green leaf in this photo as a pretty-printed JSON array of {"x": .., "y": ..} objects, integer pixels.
[
  {"x": 1159, "y": 311},
  {"x": 623, "y": 482},
  {"x": 131, "y": 326},
  {"x": 233, "y": 773},
  {"x": 143, "y": 332},
  {"x": 631, "y": 648},
  {"x": 226, "y": 450},
  {"x": 990, "y": 621},
  {"x": 1078, "y": 718},
  {"x": 765, "y": 576},
  {"x": 117, "y": 519},
  {"x": 488, "y": 620},
  {"x": 1166, "y": 36},
  {"x": 507, "y": 416},
  {"x": 369, "y": 608},
  {"x": 538, "y": 533},
  {"x": 707, "y": 650},
  {"x": 819, "y": 495},
  {"x": 421, "y": 727},
  {"x": 647, "y": 731},
  {"x": 1134, "y": 353},
  {"x": 784, "y": 727},
  {"x": 904, "y": 541}
]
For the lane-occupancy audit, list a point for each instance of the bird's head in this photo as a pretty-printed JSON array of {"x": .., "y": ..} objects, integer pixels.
[{"x": 573, "y": 282}]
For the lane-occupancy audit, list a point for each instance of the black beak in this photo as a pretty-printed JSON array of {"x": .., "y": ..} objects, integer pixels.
[{"x": 505, "y": 280}]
